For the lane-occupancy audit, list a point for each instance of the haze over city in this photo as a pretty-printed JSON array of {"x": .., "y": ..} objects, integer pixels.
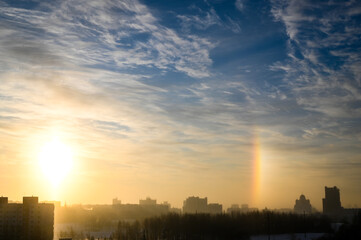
[{"x": 241, "y": 101}]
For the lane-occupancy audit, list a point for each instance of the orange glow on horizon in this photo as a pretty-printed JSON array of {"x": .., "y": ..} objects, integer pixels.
[{"x": 256, "y": 171}]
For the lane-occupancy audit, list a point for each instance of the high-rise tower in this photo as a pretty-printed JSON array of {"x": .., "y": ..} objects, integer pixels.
[{"x": 332, "y": 203}]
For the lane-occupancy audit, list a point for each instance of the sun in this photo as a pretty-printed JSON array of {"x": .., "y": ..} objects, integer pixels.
[{"x": 56, "y": 160}]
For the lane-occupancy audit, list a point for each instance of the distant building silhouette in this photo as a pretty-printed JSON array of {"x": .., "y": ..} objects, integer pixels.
[
  {"x": 116, "y": 201},
  {"x": 200, "y": 205},
  {"x": 195, "y": 205},
  {"x": 302, "y": 205},
  {"x": 234, "y": 209},
  {"x": 166, "y": 204},
  {"x": 214, "y": 208},
  {"x": 3, "y": 200},
  {"x": 148, "y": 202},
  {"x": 332, "y": 203},
  {"x": 146, "y": 208},
  {"x": 27, "y": 221},
  {"x": 243, "y": 209},
  {"x": 175, "y": 210}
]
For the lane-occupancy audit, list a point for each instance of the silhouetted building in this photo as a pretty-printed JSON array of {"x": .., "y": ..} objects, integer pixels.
[
  {"x": 332, "y": 203},
  {"x": 243, "y": 209},
  {"x": 3, "y": 200},
  {"x": 116, "y": 201},
  {"x": 165, "y": 203},
  {"x": 195, "y": 205},
  {"x": 234, "y": 209},
  {"x": 146, "y": 208},
  {"x": 175, "y": 210},
  {"x": 214, "y": 208},
  {"x": 148, "y": 201},
  {"x": 26, "y": 221},
  {"x": 57, "y": 204},
  {"x": 302, "y": 205},
  {"x": 200, "y": 205}
]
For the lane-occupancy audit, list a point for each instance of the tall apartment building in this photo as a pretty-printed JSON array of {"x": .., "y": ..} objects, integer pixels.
[
  {"x": 332, "y": 203},
  {"x": 27, "y": 221}
]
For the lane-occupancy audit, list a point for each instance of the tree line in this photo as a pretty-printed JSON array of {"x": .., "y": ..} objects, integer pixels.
[
  {"x": 227, "y": 226},
  {"x": 222, "y": 226}
]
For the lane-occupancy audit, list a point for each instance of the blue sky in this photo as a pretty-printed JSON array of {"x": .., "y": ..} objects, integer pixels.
[{"x": 180, "y": 89}]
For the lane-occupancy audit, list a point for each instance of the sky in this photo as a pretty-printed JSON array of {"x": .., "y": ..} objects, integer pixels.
[{"x": 239, "y": 101}]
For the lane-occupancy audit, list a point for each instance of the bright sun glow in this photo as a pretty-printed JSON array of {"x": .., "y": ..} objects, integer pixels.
[{"x": 56, "y": 160}]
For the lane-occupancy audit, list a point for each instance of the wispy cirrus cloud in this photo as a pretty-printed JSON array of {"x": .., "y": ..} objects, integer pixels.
[
  {"x": 320, "y": 76},
  {"x": 123, "y": 34},
  {"x": 204, "y": 19},
  {"x": 210, "y": 18},
  {"x": 321, "y": 69},
  {"x": 180, "y": 92},
  {"x": 80, "y": 57},
  {"x": 239, "y": 5}
]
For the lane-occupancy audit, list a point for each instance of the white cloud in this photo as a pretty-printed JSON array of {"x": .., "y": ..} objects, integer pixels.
[
  {"x": 290, "y": 13},
  {"x": 89, "y": 33},
  {"x": 239, "y": 5},
  {"x": 209, "y": 18},
  {"x": 318, "y": 85}
]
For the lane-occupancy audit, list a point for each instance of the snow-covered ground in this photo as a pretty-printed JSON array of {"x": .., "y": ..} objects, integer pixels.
[
  {"x": 78, "y": 229},
  {"x": 295, "y": 236}
]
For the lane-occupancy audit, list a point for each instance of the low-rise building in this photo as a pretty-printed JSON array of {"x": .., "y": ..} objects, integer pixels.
[
  {"x": 200, "y": 205},
  {"x": 148, "y": 202},
  {"x": 214, "y": 208}
]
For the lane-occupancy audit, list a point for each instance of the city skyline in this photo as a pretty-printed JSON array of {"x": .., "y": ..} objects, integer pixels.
[
  {"x": 300, "y": 203},
  {"x": 49, "y": 220},
  {"x": 239, "y": 101}
]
